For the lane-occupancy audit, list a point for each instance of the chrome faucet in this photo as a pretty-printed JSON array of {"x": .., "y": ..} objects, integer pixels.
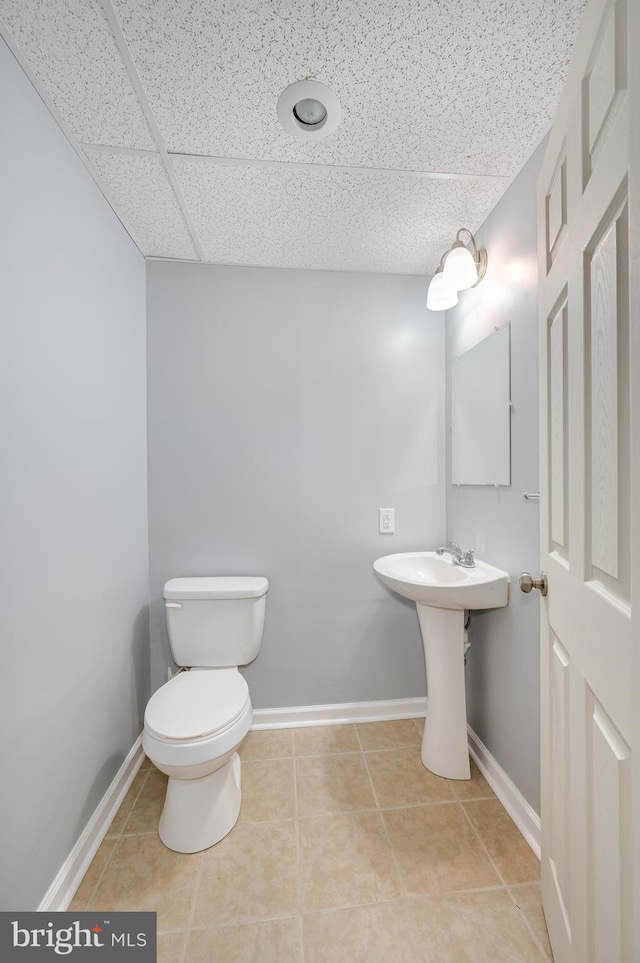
[{"x": 458, "y": 557}]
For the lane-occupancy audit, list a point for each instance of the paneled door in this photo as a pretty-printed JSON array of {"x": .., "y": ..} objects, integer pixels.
[{"x": 588, "y": 221}]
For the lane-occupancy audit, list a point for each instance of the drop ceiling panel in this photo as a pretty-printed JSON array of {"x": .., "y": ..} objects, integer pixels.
[
  {"x": 460, "y": 87},
  {"x": 466, "y": 85},
  {"x": 139, "y": 189},
  {"x": 70, "y": 48},
  {"x": 330, "y": 219}
]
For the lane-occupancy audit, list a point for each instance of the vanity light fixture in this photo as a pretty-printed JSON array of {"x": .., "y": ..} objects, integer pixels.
[
  {"x": 441, "y": 294},
  {"x": 308, "y": 110},
  {"x": 458, "y": 270}
]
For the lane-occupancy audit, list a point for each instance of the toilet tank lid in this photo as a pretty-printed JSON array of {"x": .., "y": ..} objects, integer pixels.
[{"x": 216, "y": 587}]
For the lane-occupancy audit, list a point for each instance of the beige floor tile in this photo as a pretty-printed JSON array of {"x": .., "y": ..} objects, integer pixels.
[
  {"x": 274, "y": 941},
  {"x": 321, "y": 740},
  {"x": 92, "y": 875},
  {"x": 475, "y": 788},
  {"x": 267, "y": 744},
  {"x": 436, "y": 850},
  {"x": 118, "y": 823},
  {"x": 143, "y": 874},
  {"x": 346, "y": 874},
  {"x": 147, "y": 764},
  {"x": 474, "y": 928},
  {"x": 171, "y": 947},
  {"x": 505, "y": 844},
  {"x": 395, "y": 734},
  {"x": 369, "y": 934},
  {"x": 528, "y": 900},
  {"x": 268, "y": 790},
  {"x": 145, "y": 814},
  {"x": 252, "y": 872},
  {"x": 333, "y": 784},
  {"x": 134, "y": 789},
  {"x": 400, "y": 779},
  {"x": 345, "y": 861}
]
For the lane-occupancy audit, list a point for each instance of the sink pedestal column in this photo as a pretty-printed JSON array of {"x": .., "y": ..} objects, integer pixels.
[{"x": 445, "y": 750}]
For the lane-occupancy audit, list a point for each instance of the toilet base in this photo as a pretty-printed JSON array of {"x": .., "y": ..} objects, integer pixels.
[{"x": 198, "y": 813}]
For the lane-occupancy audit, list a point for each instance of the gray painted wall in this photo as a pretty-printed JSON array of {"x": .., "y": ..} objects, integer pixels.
[
  {"x": 285, "y": 408},
  {"x": 503, "y": 688},
  {"x": 73, "y": 565}
]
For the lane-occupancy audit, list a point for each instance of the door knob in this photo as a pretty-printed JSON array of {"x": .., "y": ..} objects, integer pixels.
[{"x": 528, "y": 582}]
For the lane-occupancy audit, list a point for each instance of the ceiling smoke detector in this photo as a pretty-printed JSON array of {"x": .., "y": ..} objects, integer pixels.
[{"x": 308, "y": 110}]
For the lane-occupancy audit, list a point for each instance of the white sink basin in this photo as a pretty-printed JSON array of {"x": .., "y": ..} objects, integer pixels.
[
  {"x": 435, "y": 580},
  {"x": 442, "y": 591}
]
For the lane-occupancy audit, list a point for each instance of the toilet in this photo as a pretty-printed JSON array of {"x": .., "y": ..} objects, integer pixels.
[{"x": 194, "y": 724}]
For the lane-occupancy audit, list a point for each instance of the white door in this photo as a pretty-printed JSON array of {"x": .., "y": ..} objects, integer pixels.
[{"x": 588, "y": 220}]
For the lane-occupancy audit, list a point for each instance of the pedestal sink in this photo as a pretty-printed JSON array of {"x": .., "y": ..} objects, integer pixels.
[{"x": 442, "y": 591}]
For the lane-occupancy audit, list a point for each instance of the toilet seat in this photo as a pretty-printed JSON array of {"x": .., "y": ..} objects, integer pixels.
[{"x": 197, "y": 705}]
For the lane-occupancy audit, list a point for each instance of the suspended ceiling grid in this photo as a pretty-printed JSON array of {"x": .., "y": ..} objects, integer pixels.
[{"x": 172, "y": 105}]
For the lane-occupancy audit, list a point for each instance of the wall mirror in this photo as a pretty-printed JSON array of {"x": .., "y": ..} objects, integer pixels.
[{"x": 481, "y": 412}]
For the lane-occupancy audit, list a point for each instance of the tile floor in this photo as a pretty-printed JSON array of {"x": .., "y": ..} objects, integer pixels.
[{"x": 346, "y": 851}]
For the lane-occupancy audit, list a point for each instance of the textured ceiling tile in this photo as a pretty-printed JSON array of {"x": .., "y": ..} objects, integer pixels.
[
  {"x": 69, "y": 46},
  {"x": 141, "y": 192},
  {"x": 328, "y": 219},
  {"x": 458, "y": 86}
]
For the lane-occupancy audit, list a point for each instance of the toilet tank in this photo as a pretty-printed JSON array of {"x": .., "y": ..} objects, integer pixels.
[{"x": 215, "y": 622}]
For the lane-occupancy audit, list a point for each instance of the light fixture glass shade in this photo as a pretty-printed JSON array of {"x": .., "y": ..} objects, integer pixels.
[
  {"x": 441, "y": 295},
  {"x": 460, "y": 269},
  {"x": 310, "y": 111}
]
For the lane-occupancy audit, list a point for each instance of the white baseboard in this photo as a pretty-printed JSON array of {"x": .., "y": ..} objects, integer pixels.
[
  {"x": 299, "y": 716},
  {"x": 524, "y": 816},
  {"x": 65, "y": 885}
]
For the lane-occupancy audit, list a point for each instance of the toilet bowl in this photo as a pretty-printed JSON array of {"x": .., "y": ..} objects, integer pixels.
[{"x": 194, "y": 724}]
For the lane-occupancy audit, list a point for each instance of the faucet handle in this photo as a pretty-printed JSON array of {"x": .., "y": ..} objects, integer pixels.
[
  {"x": 455, "y": 545},
  {"x": 468, "y": 556}
]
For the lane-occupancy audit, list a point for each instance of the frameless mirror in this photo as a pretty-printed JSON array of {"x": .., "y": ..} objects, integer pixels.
[{"x": 481, "y": 412}]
